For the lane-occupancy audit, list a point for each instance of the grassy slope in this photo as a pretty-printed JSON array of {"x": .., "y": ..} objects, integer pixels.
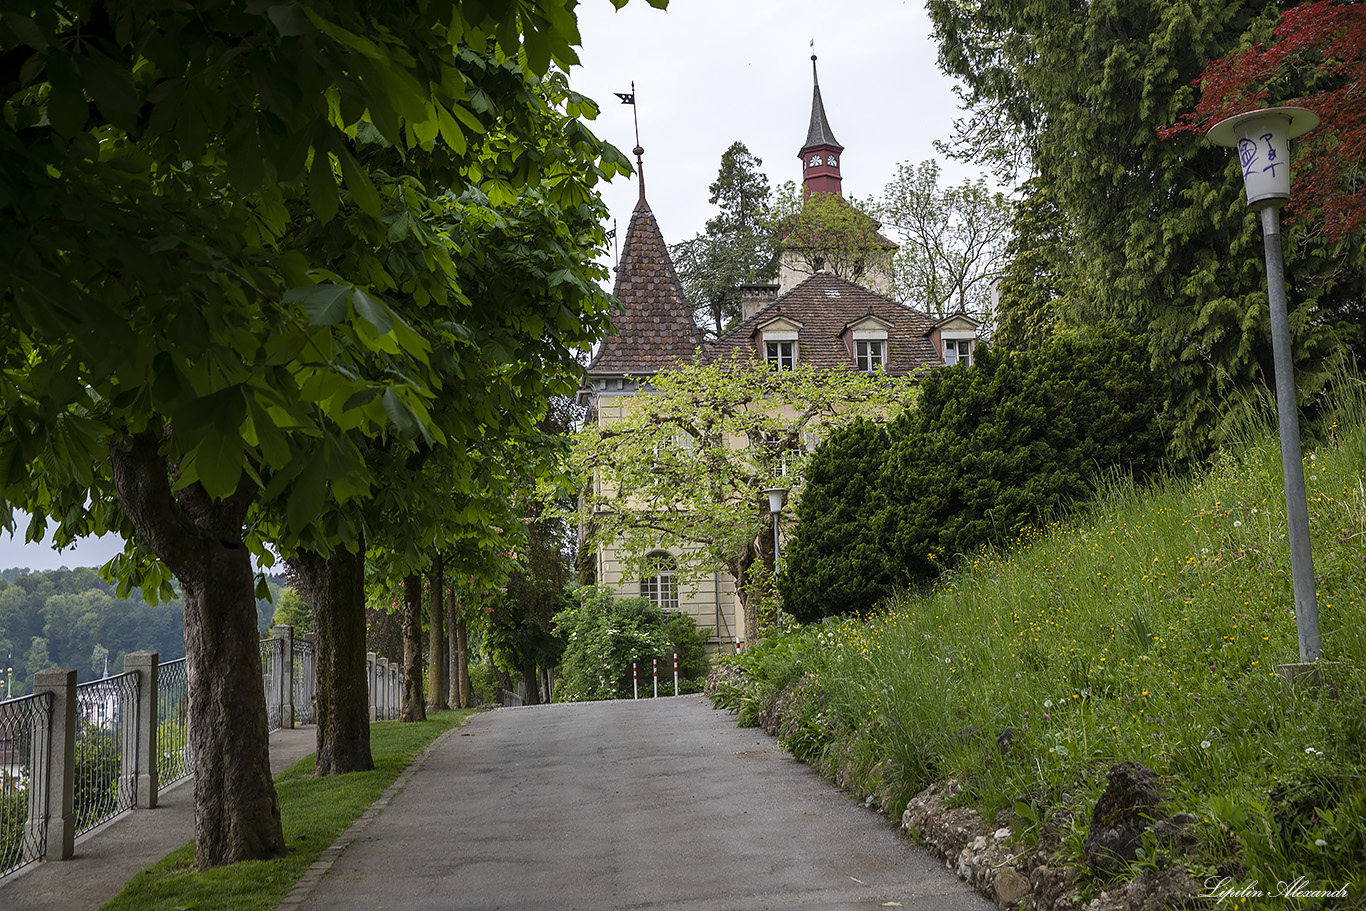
[
  {"x": 315, "y": 811},
  {"x": 1147, "y": 630}
]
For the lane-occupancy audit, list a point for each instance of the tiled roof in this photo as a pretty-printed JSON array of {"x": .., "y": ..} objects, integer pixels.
[
  {"x": 655, "y": 326},
  {"x": 825, "y": 305}
]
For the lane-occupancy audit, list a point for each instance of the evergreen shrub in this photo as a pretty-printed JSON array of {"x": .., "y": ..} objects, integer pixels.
[
  {"x": 835, "y": 560},
  {"x": 989, "y": 450},
  {"x": 994, "y": 448}
]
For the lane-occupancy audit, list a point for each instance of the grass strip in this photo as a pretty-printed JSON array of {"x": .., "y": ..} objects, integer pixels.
[{"x": 315, "y": 811}]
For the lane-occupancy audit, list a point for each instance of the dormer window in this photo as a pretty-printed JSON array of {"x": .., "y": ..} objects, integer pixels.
[
  {"x": 871, "y": 354},
  {"x": 781, "y": 355},
  {"x": 957, "y": 350}
]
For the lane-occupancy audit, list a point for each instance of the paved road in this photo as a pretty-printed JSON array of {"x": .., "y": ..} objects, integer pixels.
[{"x": 660, "y": 804}]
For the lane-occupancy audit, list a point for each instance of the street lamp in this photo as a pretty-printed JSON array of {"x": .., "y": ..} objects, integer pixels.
[
  {"x": 1262, "y": 139},
  {"x": 777, "y": 496}
]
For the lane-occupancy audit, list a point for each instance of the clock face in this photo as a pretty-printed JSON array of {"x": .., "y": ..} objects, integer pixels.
[
  {"x": 815, "y": 160},
  {"x": 831, "y": 161}
]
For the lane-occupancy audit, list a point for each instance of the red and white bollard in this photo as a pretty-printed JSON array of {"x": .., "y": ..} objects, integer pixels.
[
  {"x": 737, "y": 646},
  {"x": 655, "y": 661},
  {"x": 675, "y": 673},
  {"x": 635, "y": 685}
]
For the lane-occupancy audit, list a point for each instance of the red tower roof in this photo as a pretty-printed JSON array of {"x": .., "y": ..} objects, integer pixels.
[{"x": 822, "y": 152}]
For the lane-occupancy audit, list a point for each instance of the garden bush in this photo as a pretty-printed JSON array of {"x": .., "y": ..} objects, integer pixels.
[
  {"x": 604, "y": 635},
  {"x": 999, "y": 446},
  {"x": 836, "y": 562}
]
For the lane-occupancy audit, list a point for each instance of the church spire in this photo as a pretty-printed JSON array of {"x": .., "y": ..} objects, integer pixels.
[{"x": 822, "y": 152}]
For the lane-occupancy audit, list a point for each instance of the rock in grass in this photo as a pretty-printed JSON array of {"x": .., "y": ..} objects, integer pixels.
[{"x": 1130, "y": 806}]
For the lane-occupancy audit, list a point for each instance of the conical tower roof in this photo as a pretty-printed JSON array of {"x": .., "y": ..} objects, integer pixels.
[
  {"x": 655, "y": 327},
  {"x": 819, "y": 132}
]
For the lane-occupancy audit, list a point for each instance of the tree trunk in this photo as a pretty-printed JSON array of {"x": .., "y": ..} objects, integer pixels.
[
  {"x": 335, "y": 586},
  {"x": 532, "y": 683},
  {"x": 748, "y": 589},
  {"x": 436, "y": 641},
  {"x": 462, "y": 654},
  {"x": 413, "y": 707},
  {"x": 452, "y": 654},
  {"x": 237, "y": 813}
]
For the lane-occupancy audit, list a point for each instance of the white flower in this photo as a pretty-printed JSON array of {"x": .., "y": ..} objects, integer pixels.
[
  {"x": 1313, "y": 752},
  {"x": 1320, "y": 842},
  {"x": 1204, "y": 744},
  {"x": 1048, "y": 703},
  {"x": 1237, "y": 523}
]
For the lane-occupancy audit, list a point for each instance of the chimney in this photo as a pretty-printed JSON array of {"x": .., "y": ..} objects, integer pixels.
[{"x": 754, "y": 298}]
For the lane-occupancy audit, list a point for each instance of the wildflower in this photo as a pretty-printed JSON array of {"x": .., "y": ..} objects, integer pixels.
[
  {"x": 1048, "y": 703},
  {"x": 1204, "y": 744},
  {"x": 1320, "y": 843},
  {"x": 1237, "y": 523},
  {"x": 1310, "y": 751}
]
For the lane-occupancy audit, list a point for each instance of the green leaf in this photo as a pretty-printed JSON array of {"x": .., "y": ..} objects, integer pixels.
[
  {"x": 112, "y": 88},
  {"x": 289, "y": 20},
  {"x": 358, "y": 182},
  {"x": 26, "y": 31},
  {"x": 373, "y": 312},
  {"x": 67, "y": 109},
  {"x": 322, "y": 187},
  {"x": 218, "y": 462},
  {"x": 326, "y": 305},
  {"x": 398, "y": 412},
  {"x": 307, "y": 498}
]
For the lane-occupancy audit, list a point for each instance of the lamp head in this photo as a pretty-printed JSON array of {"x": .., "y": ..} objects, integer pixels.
[
  {"x": 1262, "y": 139},
  {"x": 776, "y": 497}
]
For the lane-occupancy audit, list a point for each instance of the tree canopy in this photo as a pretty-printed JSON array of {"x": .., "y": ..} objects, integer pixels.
[
  {"x": 739, "y": 245},
  {"x": 684, "y": 465}
]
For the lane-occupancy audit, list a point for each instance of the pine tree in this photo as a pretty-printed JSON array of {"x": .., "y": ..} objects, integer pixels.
[
  {"x": 1165, "y": 245},
  {"x": 738, "y": 246}
]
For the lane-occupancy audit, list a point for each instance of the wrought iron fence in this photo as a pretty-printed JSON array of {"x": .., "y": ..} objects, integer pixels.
[
  {"x": 105, "y": 782},
  {"x": 24, "y": 769},
  {"x": 272, "y": 656},
  {"x": 304, "y": 681},
  {"x": 174, "y": 757}
]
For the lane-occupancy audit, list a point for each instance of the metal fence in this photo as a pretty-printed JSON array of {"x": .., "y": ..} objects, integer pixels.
[
  {"x": 105, "y": 781},
  {"x": 304, "y": 681},
  {"x": 74, "y": 756},
  {"x": 174, "y": 757},
  {"x": 24, "y": 726},
  {"x": 272, "y": 658}
]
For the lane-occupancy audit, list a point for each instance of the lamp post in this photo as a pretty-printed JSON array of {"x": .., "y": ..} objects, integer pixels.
[
  {"x": 777, "y": 496},
  {"x": 1262, "y": 139}
]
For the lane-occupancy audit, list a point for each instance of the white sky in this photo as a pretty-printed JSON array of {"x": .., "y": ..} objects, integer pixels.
[{"x": 708, "y": 73}]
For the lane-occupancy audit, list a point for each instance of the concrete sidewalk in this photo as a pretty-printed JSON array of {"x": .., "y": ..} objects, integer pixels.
[{"x": 111, "y": 855}]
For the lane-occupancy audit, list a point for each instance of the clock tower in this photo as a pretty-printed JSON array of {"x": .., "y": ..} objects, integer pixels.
[{"x": 822, "y": 152}]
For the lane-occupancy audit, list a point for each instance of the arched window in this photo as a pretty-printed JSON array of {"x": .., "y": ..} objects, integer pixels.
[{"x": 659, "y": 585}]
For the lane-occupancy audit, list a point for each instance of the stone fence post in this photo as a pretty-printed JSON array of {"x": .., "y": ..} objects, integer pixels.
[
  {"x": 284, "y": 673},
  {"x": 144, "y": 664},
  {"x": 60, "y": 760},
  {"x": 370, "y": 682}
]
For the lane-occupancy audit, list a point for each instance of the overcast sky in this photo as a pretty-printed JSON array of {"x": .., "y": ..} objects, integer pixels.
[{"x": 710, "y": 72}]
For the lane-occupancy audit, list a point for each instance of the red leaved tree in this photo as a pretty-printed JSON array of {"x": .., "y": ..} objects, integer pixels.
[{"x": 1317, "y": 60}]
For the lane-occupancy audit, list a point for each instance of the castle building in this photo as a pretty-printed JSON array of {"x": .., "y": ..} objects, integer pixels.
[{"x": 811, "y": 316}]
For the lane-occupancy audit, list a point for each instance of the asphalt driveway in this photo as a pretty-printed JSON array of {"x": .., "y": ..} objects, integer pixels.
[{"x": 660, "y": 804}]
